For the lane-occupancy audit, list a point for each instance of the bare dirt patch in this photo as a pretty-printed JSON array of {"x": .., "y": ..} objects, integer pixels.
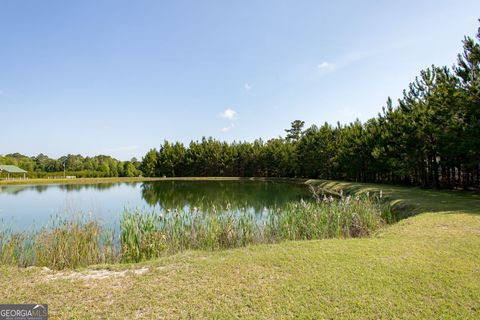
[{"x": 91, "y": 274}]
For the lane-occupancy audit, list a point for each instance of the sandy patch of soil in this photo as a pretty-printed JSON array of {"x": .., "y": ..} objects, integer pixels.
[{"x": 91, "y": 274}]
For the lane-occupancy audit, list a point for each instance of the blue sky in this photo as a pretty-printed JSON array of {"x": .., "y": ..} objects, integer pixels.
[{"x": 118, "y": 77}]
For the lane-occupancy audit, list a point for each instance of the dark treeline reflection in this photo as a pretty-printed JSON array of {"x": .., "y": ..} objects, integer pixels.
[
  {"x": 222, "y": 195},
  {"x": 16, "y": 189},
  {"x": 98, "y": 186},
  {"x": 204, "y": 195}
]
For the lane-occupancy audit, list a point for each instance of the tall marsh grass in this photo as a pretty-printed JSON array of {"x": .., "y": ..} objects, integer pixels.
[
  {"x": 148, "y": 235},
  {"x": 64, "y": 244}
]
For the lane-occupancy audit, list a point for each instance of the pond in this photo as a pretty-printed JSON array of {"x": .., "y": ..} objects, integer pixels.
[{"x": 23, "y": 207}]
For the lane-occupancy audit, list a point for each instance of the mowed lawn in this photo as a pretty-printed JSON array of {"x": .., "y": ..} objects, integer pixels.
[{"x": 424, "y": 267}]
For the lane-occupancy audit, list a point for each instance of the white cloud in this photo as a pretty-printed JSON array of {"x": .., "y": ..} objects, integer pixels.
[
  {"x": 248, "y": 87},
  {"x": 229, "y": 114},
  {"x": 324, "y": 65},
  {"x": 226, "y": 129}
]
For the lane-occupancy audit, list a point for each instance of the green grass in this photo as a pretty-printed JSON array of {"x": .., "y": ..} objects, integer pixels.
[
  {"x": 412, "y": 200},
  {"x": 424, "y": 267}
]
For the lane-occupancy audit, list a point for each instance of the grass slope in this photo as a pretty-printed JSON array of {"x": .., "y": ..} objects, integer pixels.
[
  {"x": 424, "y": 267},
  {"x": 412, "y": 200}
]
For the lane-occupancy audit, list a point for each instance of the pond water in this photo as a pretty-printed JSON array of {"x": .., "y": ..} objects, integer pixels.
[{"x": 23, "y": 207}]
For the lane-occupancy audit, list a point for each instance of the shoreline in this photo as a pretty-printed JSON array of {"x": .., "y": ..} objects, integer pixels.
[{"x": 40, "y": 181}]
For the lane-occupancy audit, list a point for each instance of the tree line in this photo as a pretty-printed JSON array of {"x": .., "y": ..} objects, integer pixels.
[
  {"x": 430, "y": 137},
  {"x": 75, "y": 165}
]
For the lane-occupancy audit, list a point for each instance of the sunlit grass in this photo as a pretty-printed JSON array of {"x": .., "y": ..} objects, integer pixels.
[{"x": 424, "y": 267}]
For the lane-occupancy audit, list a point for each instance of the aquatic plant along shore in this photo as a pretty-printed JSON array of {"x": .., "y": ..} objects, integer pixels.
[{"x": 147, "y": 235}]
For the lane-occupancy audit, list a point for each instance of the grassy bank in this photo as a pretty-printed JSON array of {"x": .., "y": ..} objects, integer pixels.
[
  {"x": 410, "y": 201},
  {"x": 424, "y": 267}
]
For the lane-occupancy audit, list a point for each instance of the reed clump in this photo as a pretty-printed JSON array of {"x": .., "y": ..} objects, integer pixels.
[
  {"x": 148, "y": 235},
  {"x": 64, "y": 244}
]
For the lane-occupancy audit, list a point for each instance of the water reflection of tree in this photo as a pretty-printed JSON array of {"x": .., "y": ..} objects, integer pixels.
[
  {"x": 221, "y": 194},
  {"x": 97, "y": 186},
  {"x": 201, "y": 194},
  {"x": 16, "y": 189}
]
